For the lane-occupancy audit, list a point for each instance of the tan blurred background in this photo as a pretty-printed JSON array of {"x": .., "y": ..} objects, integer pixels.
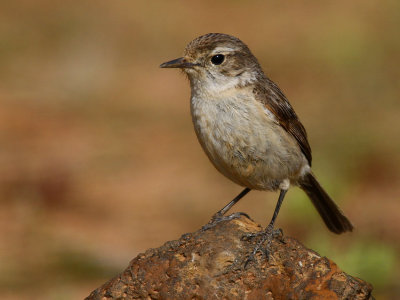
[{"x": 99, "y": 161}]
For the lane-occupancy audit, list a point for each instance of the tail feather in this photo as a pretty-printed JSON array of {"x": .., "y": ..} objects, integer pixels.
[{"x": 328, "y": 210}]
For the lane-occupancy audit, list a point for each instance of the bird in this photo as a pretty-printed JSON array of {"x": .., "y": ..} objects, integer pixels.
[{"x": 248, "y": 129}]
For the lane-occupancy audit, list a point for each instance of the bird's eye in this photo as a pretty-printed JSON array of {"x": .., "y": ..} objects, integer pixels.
[{"x": 217, "y": 59}]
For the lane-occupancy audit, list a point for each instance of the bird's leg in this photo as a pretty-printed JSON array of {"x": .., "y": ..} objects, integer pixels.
[
  {"x": 268, "y": 233},
  {"x": 219, "y": 216}
]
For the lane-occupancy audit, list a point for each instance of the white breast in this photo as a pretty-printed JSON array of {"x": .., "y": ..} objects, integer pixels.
[{"x": 244, "y": 141}]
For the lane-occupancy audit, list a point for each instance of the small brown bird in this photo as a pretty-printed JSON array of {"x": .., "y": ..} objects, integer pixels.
[{"x": 247, "y": 127}]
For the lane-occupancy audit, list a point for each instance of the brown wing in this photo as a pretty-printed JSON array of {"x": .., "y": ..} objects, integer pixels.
[{"x": 274, "y": 100}]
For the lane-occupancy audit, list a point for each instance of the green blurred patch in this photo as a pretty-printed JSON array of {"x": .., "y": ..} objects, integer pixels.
[
  {"x": 371, "y": 259},
  {"x": 75, "y": 266}
]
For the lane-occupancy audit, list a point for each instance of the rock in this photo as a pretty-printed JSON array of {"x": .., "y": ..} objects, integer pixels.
[{"x": 210, "y": 265}]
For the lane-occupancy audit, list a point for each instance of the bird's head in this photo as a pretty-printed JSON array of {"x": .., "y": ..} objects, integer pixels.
[{"x": 217, "y": 61}]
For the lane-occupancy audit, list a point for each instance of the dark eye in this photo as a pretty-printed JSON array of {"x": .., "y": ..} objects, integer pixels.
[{"x": 217, "y": 59}]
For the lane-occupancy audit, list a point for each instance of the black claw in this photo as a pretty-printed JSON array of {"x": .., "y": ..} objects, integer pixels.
[
  {"x": 216, "y": 219},
  {"x": 248, "y": 261},
  {"x": 277, "y": 233},
  {"x": 249, "y": 236},
  {"x": 244, "y": 214}
]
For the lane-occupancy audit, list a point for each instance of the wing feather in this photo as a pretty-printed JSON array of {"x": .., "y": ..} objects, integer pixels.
[{"x": 269, "y": 94}]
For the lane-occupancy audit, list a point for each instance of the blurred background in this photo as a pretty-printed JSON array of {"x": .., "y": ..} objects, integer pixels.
[{"x": 99, "y": 160}]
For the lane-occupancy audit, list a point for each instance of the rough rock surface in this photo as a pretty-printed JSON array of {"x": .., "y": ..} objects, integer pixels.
[{"x": 210, "y": 265}]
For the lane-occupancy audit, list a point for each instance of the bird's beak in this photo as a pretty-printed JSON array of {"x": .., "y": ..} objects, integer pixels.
[{"x": 180, "y": 62}]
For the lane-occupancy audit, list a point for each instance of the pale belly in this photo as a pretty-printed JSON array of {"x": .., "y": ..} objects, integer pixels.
[{"x": 246, "y": 145}]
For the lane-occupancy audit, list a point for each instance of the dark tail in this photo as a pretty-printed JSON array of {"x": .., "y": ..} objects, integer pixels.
[{"x": 329, "y": 211}]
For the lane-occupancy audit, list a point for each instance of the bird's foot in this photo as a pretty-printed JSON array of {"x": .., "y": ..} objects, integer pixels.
[
  {"x": 218, "y": 218},
  {"x": 265, "y": 236}
]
